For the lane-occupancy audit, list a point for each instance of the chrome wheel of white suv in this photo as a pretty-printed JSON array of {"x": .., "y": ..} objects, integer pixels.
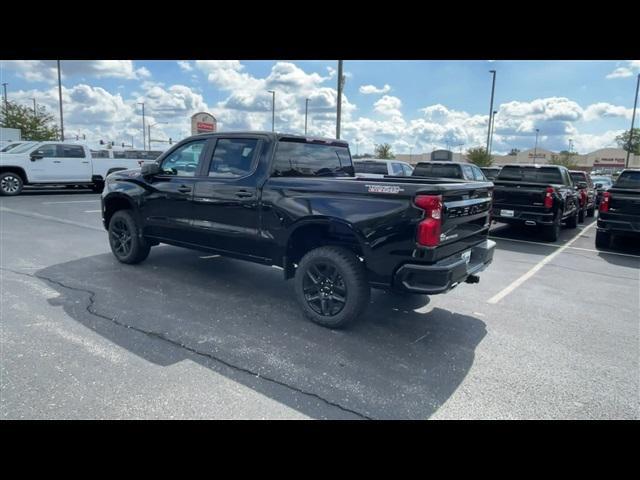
[{"x": 10, "y": 184}]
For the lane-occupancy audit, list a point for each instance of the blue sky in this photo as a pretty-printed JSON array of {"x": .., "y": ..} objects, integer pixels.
[{"x": 417, "y": 105}]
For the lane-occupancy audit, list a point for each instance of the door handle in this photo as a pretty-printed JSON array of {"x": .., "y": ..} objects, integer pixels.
[
  {"x": 56, "y": 161},
  {"x": 244, "y": 194},
  {"x": 184, "y": 189}
]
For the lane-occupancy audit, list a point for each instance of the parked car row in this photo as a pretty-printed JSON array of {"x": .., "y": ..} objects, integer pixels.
[{"x": 619, "y": 209}]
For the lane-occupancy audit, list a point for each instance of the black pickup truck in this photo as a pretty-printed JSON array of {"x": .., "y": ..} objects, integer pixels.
[
  {"x": 536, "y": 195},
  {"x": 619, "y": 209},
  {"x": 294, "y": 202}
]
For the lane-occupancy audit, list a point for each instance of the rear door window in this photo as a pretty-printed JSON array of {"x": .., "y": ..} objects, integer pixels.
[
  {"x": 71, "y": 151},
  {"x": 233, "y": 157},
  {"x": 396, "y": 169}
]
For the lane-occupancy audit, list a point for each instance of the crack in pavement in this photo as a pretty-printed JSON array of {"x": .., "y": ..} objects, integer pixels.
[{"x": 176, "y": 343}]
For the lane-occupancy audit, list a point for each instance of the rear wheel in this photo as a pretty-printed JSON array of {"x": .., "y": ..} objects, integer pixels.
[
  {"x": 331, "y": 286},
  {"x": 10, "y": 184},
  {"x": 581, "y": 215},
  {"x": 551, "y": 233},
  {"x": 603, "y": 239},
  {"x": 572, "y": 222},
  {"x": 126, "y": 243},
  {"x": 97, "y": 186}
]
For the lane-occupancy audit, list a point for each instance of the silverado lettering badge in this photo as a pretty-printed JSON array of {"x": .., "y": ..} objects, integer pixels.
[{"x": 384, "y": 188}]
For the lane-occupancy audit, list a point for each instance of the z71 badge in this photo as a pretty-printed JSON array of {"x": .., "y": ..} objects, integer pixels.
[{"x": 384, "y": 189}]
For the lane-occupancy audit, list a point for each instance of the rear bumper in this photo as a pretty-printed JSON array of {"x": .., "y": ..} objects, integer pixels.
[
  {"x": 619, "y": 226},
  {"x": 445, "y": 274},
  {"x": 522, "y": 216}
]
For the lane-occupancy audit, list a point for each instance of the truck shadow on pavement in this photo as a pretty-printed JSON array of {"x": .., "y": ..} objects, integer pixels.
[{"x": 241, "y": 320}]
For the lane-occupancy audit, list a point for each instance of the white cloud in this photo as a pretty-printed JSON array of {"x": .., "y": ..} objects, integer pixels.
[
  {"x": 388, "y": 105},
  {"x": 46, "y": 70},
  {"x": 603, "y": 109},
  {"x": 185, "y": 66},
  {"x": 372, "y": 89},
  {"x": 631, "y": 68}
]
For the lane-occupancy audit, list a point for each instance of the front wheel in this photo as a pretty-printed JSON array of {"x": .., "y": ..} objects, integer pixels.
[
  {"x": 126, "y": 243},
  {"x": 10, "y": 184},
  {"x": 581, "y": 215},
  {"x": 331, "y": 286}
]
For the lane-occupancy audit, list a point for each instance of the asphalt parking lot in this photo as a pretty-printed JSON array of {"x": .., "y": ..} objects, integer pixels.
[{"x": 551, "y": 331}]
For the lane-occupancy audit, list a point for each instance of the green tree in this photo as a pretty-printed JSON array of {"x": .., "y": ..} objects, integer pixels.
[
  {"x": 566, "y": 159},
  {"x": 623, "y": 141},
  {"x": 38, "y": 125},
  {"x": 384, "y": 151},
  {"x": 479, "y": 156}
]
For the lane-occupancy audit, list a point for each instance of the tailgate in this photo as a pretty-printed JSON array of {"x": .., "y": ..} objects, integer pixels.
[
  {"x": 512, "y": 194},
  {"x": 625, "y": 202}
]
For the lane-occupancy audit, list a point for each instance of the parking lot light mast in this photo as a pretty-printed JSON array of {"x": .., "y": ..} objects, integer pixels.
[
  {"x": 273, "y": 110},
  {"x": 149, "y": 127},
  {"x": 60, "y": 101},
  {"x": 6, "y": 102},
  {"x": 306, "y": 114},
  {"x": 493, "y": 88},
  {"x": 493, "y": 123},
  {"x": 633, "y": 117},
  {"x": 35, "y": 109},
  {"x": 339, "y": 99},
  {"x": 144, "y": 138},
  {"x": 535, "y": 149}
]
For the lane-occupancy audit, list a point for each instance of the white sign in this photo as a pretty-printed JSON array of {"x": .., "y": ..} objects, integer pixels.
[{"x": 203, "y": 123}]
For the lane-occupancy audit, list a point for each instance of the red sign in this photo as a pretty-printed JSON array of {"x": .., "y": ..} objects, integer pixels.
[{"x": 207, "y": 127}]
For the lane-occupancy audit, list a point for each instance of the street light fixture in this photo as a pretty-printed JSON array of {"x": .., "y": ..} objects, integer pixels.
[{"x": 273, "y": 110}]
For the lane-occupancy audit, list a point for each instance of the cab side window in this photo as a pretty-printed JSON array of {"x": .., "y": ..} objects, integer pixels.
[
  {"x": 71, "y": 151},
  {"x": 233, "y": 157},
  {"x": 478, "y": 174},
  {"x": 467, "y": 172},
  {"x": 396, "y": 169},
  {"x": 50, "y": 150},
  {"x": 184, "y": 161}
]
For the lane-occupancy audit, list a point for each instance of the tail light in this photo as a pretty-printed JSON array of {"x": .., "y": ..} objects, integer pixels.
[
  {"x": 583, "y": 196},
  {"x": 430, "y": 227},
  {"x": 604, "y": 203},
  {"x": 548, "y": 198}
]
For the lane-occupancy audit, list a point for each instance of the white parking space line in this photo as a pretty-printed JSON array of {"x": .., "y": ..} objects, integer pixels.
[
  {"x": 72, "y": 201},
  {"x": 50, "y": 218},
  {"x": 551, "y": 245},
  {"x": 91, "y": 211},
  {"x": 515, "y": 284},
  {"x": 210, "y": 256}
]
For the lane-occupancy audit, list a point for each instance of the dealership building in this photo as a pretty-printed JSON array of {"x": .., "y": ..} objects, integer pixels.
[{"x": 604, "y": 159}]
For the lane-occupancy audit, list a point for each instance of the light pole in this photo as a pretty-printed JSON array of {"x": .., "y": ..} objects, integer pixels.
[
  {"x": 493, "y": 121},
  {"x": 493, "y": 88},
  {"x": 535, "y": 150},
  {"x": 35, "y": 110},
  {"x": 273, "y": 110},
  {"x": 306, "y": 114},
  {"x": 633, "y": 117},
  {"x": 339, "y": 100},
  {"x": 60, "y": 100},
  {"x": 149, "y": 127},
  {"x": 144, "y": 138},
  {"x": 6, "y": 103}
]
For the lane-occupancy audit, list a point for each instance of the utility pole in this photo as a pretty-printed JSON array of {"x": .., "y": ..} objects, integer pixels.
[
  {"x": 144, "y": 138},
  {"x": 60, "y": 101},
  {"x": 306, "y": 114},
  {"x": 6, "y": 102},
  {"x": 273, "y": 109},
  {"x": 35, "y": 109},
  {"x": 493, "y": 88},
  {"x": 633, "y": 117},
  {"x": 535, "y": 150},
  {"x": 339, "y": 105}
]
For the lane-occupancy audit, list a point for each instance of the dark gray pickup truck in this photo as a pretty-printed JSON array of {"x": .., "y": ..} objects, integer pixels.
[{"x": 620, "y": 209}]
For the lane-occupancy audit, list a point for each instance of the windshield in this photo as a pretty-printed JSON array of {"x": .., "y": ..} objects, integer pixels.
[
  {"x": 370, "y": 167},
  {"x": 606, "y": 182},
  {"x": 437, "y": 170},
  {"x": 629, "y": 179},
  {"x": 531, "y": 174},
  {"x": 20, "y": 148}
]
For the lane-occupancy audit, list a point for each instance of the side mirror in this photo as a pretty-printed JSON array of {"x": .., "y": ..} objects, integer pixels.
[
  {"x": 150, "y": 169},
  {"x": 36, "y": 156},
  {"x": 582, "y": 185}
]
